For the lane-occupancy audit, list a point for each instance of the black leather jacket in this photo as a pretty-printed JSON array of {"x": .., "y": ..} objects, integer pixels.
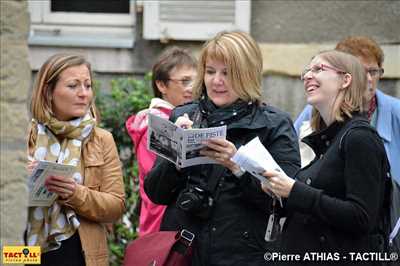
[{"x": 234, "y": 232}]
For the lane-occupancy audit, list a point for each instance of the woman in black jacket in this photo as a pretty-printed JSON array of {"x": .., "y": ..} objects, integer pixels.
[
  {"x": 335, "y": 204},
  {"x": 224, "y": 206}
]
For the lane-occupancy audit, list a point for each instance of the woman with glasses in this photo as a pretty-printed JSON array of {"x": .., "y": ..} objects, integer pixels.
[
  {"x": 335, "y": 202},
  {"x": 221, "y": 204},
  {"x": 383, "y": 111},
  {"x": 172, "y": 78}
]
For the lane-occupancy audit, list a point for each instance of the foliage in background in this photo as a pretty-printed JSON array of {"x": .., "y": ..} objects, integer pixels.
[{"x": 127, "y": 96}]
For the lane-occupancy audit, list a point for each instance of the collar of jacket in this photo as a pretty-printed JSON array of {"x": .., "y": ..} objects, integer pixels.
[
  {"x": 321, "y": 140},
  {"x": 160, "y": 104},
  {"x": 384, "y": 122},
  {"x": 237, "y": 113}
]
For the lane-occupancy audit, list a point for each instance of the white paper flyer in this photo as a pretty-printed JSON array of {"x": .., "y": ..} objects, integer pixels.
[
  {"x": 38, "y": 194},
  {"x": 256, "y": 159}
]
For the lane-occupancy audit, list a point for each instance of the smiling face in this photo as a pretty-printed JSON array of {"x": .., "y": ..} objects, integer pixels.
[
  {"x": 323, "y": 86},
  {"x": 72, "y": 94},
  {"x": 218, "y": 86}
]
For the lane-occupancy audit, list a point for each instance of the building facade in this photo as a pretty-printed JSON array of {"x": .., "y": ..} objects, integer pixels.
[{"x": 123, "y": 37}]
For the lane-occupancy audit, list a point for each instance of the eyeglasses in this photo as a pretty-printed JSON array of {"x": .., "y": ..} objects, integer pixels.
[
  {"x": 184, "y": 82},
  {"x": 375, "y": 72},
  {"x": 315, "y": 69}
]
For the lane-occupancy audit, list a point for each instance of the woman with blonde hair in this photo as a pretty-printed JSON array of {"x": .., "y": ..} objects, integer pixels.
[
  {"x": 335, "y": 204},
  {"x": 71, "y": 231},
  {"x": 220, "y": 203}
]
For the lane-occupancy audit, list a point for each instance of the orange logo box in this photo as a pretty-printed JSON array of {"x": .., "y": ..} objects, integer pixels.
[{"x": 21, "y": 254}]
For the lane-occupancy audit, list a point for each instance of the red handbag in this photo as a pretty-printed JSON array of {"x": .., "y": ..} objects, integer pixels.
[{"x": 164, "y": 248}]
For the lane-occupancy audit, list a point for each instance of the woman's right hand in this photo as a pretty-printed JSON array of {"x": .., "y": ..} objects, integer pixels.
[
  {"x": 184, "y": 122},
  {"x": 31, "y": 165},
  {"x": 279, "y": 183}
]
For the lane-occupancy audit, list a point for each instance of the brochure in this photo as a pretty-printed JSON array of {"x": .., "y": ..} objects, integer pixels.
[
  {"x": 256, "y": 159},
  {"x": 180, "y": 146},
  {"x": 38, "y": 194}
]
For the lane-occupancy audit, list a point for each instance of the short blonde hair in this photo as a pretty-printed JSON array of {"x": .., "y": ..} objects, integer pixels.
[
  {"x": 351, "y": 99},
  {"x": 242, "y": 56},
  {"x": 46, "y": 80}
]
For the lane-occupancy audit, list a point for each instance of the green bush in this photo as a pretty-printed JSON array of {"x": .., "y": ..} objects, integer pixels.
[{"x": 127, "y": 96}]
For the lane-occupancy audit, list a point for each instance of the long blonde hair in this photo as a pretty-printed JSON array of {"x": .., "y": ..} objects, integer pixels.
[
  {"x": 348, "y": 100},
  {"x": 46, "y": 80},
  {"x": 242, "y": 56}
]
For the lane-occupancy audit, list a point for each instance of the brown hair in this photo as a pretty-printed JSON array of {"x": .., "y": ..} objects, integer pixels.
[
  {"x": 242, "y": 56},
  {"x": 350, "y": 99},
  {"x": 173, "y": 57},
  {"x": 46, "y": 80},
  {"x": 362, "y": 46}
]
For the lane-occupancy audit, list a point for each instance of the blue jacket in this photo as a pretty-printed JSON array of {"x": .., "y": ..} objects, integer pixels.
[{"x": 387, "y": 125}]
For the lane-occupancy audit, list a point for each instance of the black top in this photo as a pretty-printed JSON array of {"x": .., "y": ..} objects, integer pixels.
[
  {"x": 335, "y": 204},
  {"x": 234, "y": 232}
]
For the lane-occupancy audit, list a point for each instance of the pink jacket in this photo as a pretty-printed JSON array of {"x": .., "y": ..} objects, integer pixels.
[{"x": 150, "y": 214}]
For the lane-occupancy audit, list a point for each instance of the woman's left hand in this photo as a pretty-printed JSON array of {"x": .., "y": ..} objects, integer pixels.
[
  {"x": 64, "y": 187},
  {"x": 221, "y": 150},
  {"x": 279, "y": 183}
]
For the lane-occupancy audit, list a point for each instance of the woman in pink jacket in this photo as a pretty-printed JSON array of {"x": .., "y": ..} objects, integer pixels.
[{"x": 173, "y": 75}]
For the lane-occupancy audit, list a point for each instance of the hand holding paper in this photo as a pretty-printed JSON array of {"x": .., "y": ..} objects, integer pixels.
[
  {"x": 220, "y": 150},
  {"x": 179, "y": 143},
  {"x": 279, "y": 183},
  {"x": 255, "y": 159},
  {"x": 39, "y": 195},
  {"x": 32, "y": 164},
  {"x": 61, "y": 185},
  {"x": 184, "y": 122}
]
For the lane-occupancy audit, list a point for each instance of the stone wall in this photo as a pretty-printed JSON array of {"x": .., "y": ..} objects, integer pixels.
[
  {"x": 289, "y": 33},
  {"x": 15, "y": 78},
  {"x": 304, "y": 21}
]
